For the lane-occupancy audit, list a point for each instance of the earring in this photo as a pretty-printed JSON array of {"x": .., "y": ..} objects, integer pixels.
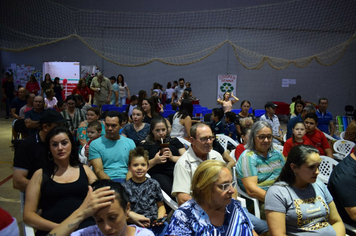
[
  {"x": 49, "y": 156},
  {"x": 295, "y": 174}
]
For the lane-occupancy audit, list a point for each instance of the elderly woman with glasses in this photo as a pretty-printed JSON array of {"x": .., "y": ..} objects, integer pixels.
[
  {"x": 260, "y": 164},
  {"x": 212, "y": 209}
]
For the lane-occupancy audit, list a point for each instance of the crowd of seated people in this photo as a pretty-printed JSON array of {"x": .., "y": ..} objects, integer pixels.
[{"x": 48, "y": 168}]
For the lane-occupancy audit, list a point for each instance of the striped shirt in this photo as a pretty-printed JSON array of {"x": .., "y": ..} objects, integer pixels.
[{"x": 267, "y": 169}]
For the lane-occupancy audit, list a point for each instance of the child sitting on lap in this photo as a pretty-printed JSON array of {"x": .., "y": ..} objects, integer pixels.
[
  {"x": 94, "y": 131},
  {"x": 147, "y": 207}
]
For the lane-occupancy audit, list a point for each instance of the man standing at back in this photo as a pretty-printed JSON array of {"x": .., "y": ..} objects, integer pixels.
[
  {"x": 102, "y": 89},
  {"x": 325, "y": 119},
  {"x": 178, "y": 91},
  {"x": 109, "y": 154}
]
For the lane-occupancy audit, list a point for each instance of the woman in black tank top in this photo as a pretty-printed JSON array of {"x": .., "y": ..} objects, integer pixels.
[{"x": 60, "y": 187}]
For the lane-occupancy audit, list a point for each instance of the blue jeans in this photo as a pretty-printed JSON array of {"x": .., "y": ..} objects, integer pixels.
[
  {"x": 119, "y": 180},
  {"x": 159, "y": 230},
  {"x": 123, "y": 100},
  {"x": 260, "y": 226}
]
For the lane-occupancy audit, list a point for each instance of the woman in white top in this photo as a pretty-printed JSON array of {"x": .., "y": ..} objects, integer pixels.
[
  {"x": 122, "y": 88},
  {"x": 169, "y": 93},
  {"x": 182, "y": 120},
  {"x": 50, "y": 100}
]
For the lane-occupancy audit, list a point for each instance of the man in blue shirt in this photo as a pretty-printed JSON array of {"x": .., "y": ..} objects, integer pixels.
[
  {"x": 325, "y": 119},
  {"x": 109, "y": 154}
]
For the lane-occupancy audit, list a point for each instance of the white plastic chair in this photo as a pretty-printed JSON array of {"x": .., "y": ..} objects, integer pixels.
[
  {"x": 342, "y": 135},
  {"x": 343, "y": 148},
  {"x": 28, "y": 230},
  {"x": 166, "y": 198},
  {"x": 329, "y": 137},
  {"x": 186, "y": 143},
  {"x": 256, "y": 204},
  {"x": 224, "y": 140},
  {"x": 232, "y": 154},
  {"x": 350, "y": 230},
  {"x": 326, "y": 167}
]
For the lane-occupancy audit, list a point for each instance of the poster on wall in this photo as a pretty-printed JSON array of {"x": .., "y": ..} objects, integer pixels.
[
  {"x": 68, "y": 73},
  {"x": 21, "y": 74},
  {"x": 226, "y": 83}
]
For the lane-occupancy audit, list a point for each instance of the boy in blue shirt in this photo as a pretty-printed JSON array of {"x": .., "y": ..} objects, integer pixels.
[
  {"x": 217, "y": 126},
  {"x": 230, "y": 129}
]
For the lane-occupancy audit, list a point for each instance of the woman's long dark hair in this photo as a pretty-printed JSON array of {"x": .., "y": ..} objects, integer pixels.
[
  {"x": 156, "y": 120},
  {"x": 295, "y": 106},
  {"x": 153, "y": 106},
  {"x": 298, "y": 155},
  {"x": 142, "y": 94},
  {"x": 122, "y": 81},
  {"x": 50, "y": 167},
  {"x": 185, "y": 109}
]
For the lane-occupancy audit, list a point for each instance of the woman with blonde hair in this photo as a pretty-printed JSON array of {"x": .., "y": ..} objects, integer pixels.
[{"x": 212, "y": 210}]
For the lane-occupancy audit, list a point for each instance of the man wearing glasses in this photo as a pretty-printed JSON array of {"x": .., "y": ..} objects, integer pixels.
[{"x": 201, "y": 150}]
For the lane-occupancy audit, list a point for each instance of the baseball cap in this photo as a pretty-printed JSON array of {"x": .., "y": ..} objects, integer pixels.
[
  {"x": 270, "y": 104},
  {"x": 51, "y": 116}
]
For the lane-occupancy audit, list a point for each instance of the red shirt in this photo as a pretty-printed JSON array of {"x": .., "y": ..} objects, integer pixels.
[
  {"x": 239, "y": 149},
  {"x": 319, "y": 141},
  {"x": 85, "y": 92},
  {"x": 32, "y": 86},
  {"x": 289, "y": 144}
]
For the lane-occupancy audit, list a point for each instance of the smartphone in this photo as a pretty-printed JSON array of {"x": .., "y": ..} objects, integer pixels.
[{"x": 161, "y": 220}]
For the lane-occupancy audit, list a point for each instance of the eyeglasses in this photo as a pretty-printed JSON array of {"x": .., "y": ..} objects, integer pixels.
[
  {"x": 227, "y": 186},
  {"x": 205, "y": 139},
  {"x": 263, "y": 137},
  {"x": 70, "y": 104}
]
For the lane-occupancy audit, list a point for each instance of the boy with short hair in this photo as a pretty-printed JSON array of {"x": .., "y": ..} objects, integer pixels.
[
  {"x": 132, "y": 105},
  {"x": 146, "y": 199},
  {"x": 317, "y": 137},
  {"x": 217, "y": 126},
  {"x": 230, "y": 129},
  {"x": 125, "y": 120}
]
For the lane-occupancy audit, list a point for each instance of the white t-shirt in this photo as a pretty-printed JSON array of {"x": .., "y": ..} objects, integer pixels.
[
  {"x": 51, "y": 104},
  {"x": 169, "y": 93}
]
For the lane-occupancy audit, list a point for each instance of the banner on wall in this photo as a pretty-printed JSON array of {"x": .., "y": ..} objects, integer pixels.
[
  {"x": 68, "y": 73},
  {"x": 226, "y": 83}
]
